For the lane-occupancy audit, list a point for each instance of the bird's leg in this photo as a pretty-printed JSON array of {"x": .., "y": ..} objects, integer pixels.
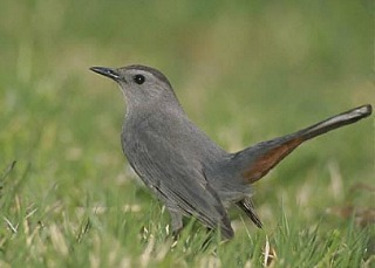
[
  {"x": 176, "y": 222},
  {"x": 247, "y": 206}
]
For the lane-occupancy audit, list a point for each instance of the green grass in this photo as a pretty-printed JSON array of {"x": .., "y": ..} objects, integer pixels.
[{"x": 244, "y": 72}]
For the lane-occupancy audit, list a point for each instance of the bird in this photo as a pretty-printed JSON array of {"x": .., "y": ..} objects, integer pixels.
[{"x": 183, "y": 167}]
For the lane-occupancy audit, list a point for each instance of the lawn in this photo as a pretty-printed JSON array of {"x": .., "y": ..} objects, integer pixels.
[{"x": 244, "y": 72}]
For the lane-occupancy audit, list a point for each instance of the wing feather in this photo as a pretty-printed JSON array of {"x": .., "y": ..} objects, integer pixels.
[{"x": 178, "y": 180}]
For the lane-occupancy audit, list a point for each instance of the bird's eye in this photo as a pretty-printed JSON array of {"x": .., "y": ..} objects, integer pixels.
[{"x": 139, "y": 79}]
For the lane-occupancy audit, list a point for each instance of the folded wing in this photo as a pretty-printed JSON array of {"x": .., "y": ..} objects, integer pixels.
[{"x": 178, "y": 180}]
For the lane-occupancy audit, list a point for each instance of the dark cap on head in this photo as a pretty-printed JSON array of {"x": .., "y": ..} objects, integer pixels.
[
  {"x": 153, "y": 71},
  {"x": 113, "y": 73}
]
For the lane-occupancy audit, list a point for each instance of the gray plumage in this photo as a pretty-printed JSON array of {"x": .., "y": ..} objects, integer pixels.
[{"x": 190, "y": 173}]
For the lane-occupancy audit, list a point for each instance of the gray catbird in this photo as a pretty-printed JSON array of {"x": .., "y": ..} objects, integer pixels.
[{"x": 190, "y": 173}]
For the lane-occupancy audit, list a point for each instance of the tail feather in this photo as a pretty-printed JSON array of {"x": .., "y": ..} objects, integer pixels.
[
  {"x": 256, "y": 161},
  {"x": 334, "y": 122}
]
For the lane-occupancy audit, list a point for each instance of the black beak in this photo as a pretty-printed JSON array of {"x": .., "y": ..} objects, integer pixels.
[{"x": 109, "y": 72}]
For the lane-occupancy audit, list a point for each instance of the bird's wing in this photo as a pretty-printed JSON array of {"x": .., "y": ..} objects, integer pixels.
[{"x": 178, "y": 179}]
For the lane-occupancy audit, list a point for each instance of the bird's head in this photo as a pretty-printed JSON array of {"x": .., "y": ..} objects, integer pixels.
[{"x": 140, "y": 84}]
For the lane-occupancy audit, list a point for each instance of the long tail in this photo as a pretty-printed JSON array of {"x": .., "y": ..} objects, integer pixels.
[
  {"x": 256, "y": 161},
  {"x": 337, "y": 121}
]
